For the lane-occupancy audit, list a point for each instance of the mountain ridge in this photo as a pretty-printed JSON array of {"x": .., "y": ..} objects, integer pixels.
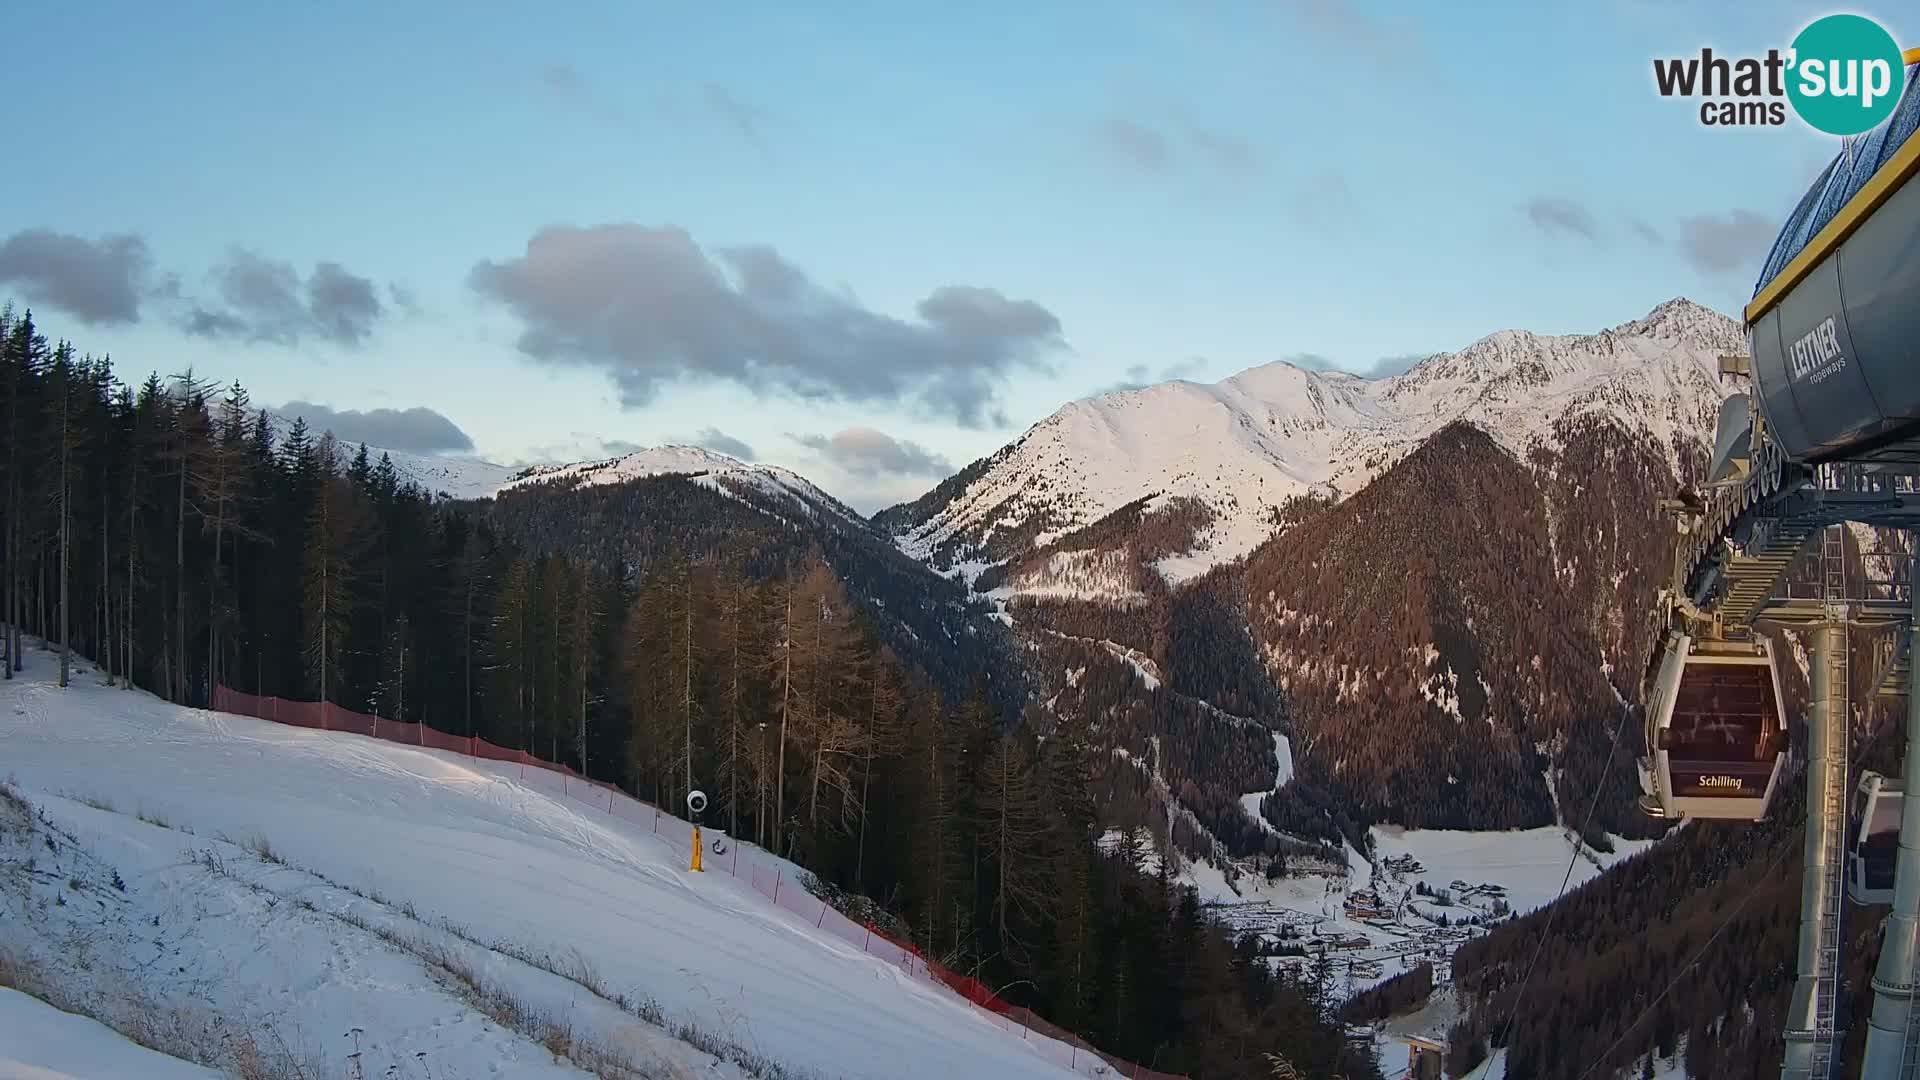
[{"x": 1250, "y": 442}]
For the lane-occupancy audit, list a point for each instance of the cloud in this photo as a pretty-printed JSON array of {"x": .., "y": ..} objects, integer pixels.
[
  {"x": 1394, "y": 43},
  {"x": 649, "y": 306},
  {"x": 1561, "y": 215},
  {"x": 1645, "y": 231},
  {"x": 100, "y": 282},
  {"x": 866, "y": 454},
  {"x": 1379, "y": 368},
  {"x": 1139, "y": 376},
  {"x": 1719, "y": 245},
  {"x": 402, "y": 298},
  {"x": 418, "y": 430},
  {"x": 744, "y": 118},
  {"x": 1135, "y": 144},
  {"x": 1230, "y": 152},
  {"x": 715, "y": 439},
  {"x": 1391, "y": 365},
  {"x": 563, "y": 79},
  {"x": 1149, "y": 149},
  {"x": 267, "y": 301}
]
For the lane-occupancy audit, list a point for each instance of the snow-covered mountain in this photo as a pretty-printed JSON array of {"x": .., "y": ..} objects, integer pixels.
[
  {"x": 466, "y": 477},
  {"x": 444, "y": 475},
  {"x": 709, "y": 468},
  {"x": 1244, "y": 445}
]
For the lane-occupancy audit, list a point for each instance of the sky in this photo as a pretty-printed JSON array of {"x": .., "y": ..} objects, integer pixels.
[{"x": 868, "y": 241}]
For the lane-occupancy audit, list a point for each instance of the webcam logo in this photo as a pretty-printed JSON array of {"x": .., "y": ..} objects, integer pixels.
[{"x": 1842, "y": 75}]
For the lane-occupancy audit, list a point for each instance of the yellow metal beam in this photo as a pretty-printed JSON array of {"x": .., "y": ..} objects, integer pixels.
[{"x": 1910, "y": 57}]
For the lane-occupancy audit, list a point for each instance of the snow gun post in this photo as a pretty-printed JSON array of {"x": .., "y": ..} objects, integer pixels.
[{"x": 696, "y": 805}]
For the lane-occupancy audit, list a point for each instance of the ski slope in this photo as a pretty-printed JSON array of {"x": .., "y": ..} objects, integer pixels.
[
  {"x": 433, "y": 847},
  {"x": 39, "y": 1042}
]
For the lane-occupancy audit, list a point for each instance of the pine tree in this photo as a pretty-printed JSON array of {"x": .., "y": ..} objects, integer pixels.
[
  {"x": 25, "y": 359},
  {"x": 64, "y": 433},
  {"x": 583, "y": 624},
  {"x": 219, "y": 474},
  {"x": 338, "y": 540},
  {"x": 396, "y": 669},
  {"x": 510, "y": 642}
]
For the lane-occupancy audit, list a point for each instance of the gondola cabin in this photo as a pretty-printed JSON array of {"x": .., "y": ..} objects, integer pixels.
[
  {"x": 1717, "y": 731},
  {"x": 1874, "y": 839}
]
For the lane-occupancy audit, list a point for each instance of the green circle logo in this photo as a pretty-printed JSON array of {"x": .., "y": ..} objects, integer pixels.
[{"x": 1845, "y": 74}]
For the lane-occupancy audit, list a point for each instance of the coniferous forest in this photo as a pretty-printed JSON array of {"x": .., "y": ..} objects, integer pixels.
[{"x": 179, "y": 538}]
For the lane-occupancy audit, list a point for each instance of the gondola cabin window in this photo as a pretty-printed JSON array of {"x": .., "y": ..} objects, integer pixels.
[{"x": 1721, "y": 740}]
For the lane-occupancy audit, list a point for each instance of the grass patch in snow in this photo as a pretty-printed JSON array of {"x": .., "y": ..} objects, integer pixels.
[
  {"x": 455, "y": 972},
  {"x": 184, "y": 1030}
]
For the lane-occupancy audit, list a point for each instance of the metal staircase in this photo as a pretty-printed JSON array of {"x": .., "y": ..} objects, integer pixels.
[
  {"x": 1895, "y": 666},
  {"x": 1830, "y": 788}
]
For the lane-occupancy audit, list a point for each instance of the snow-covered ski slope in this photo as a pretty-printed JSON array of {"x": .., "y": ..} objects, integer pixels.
[
  {"x": 39, "y": 1042},
  {"x": 428, "y": 841}
]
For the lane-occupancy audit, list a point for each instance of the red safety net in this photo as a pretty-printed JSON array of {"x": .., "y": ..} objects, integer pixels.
[{"x": 770, "y": 881}]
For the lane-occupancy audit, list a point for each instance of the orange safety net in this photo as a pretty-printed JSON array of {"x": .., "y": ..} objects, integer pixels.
[{"x": 1053, "y": 1043}]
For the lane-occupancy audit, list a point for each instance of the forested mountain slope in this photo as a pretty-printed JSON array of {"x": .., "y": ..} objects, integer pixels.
[{"x": 167, "y": 530}]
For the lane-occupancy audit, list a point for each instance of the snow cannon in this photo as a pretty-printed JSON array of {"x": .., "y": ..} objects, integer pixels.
[
  {"x": 1716, "y": 731},
  {"x": 696, "y": 805},
  {"x": 1834, "y": 324}
]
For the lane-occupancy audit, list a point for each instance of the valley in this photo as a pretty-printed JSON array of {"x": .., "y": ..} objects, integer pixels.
[{"x": 1335, "y": 658}]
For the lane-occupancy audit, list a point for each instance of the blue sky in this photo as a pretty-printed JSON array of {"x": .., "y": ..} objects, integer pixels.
[{"x": 869, "y": 241}]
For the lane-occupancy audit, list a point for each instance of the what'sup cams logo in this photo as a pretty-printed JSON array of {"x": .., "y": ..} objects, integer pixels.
[{"x": 1842, "y": 75}]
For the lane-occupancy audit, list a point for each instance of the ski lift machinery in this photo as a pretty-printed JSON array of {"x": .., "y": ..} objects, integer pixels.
[{"x": 1826, "y": 434}]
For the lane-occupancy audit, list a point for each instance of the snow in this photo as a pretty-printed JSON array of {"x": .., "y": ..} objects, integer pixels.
[
  {"x": 1283, "y": 770},
  {"x": 710, "y": 468},
  {"x": 446, "y": 475},
  {"x": 39, "y": 1042},
  {"x": 1528, "y": 863},
  {"x": 434, "y": 848},
  {"x": 1078, "y": 575},
  {"x": 1372, "y": 938},
  {"x": 1247, "y": 443}
]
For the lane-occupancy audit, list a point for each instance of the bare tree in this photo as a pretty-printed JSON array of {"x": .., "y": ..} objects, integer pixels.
[
  {"x": 885, "y": 736},
  {"x": 1014, "y": 828}
]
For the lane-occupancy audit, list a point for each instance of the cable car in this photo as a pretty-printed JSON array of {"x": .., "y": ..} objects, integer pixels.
[
  {"x": 1716, "y": 731},
  {"x": 1874, "y": 844}
]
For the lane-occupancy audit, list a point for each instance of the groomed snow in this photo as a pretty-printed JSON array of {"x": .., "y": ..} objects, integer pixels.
[
  {"x": 39, "y": 1042},
  {"x": 457, "y": 843}
]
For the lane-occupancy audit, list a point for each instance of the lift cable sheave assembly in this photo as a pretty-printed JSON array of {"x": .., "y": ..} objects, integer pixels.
[{"x": 1825, "y": 433}]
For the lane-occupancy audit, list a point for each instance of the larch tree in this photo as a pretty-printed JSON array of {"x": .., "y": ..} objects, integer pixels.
[
  {"x": 1015, "y": 833},
  {"x": 885, "y": 737}
]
